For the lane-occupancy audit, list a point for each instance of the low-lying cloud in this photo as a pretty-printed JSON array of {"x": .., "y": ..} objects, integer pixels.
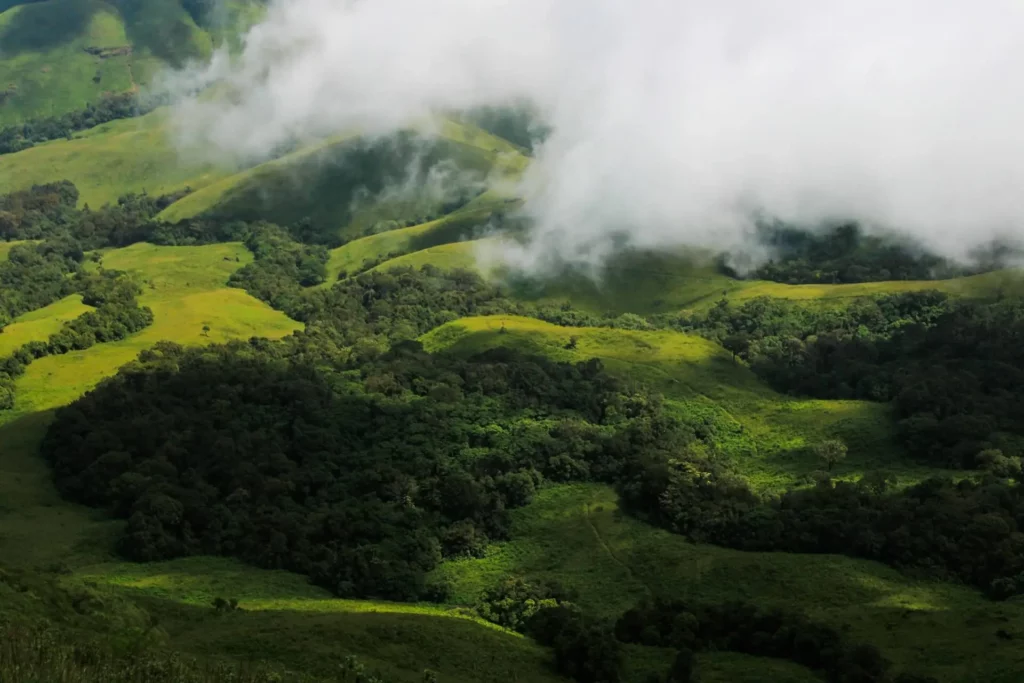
[{"x": 673, "y": 121}]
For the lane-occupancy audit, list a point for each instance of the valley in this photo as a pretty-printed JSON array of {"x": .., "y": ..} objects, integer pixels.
[{"x": 344, "y": 430}]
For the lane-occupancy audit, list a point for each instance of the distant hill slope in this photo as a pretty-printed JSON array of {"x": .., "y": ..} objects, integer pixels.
[
  {"x": 132, "y": 155},
  {"x": 58, "y": 55}
]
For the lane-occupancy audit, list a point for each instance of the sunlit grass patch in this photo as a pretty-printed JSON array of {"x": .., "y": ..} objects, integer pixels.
[{"x": 39, "y": 324}]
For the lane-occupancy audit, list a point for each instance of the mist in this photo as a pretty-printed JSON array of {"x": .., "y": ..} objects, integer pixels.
[{"x": 673, "y": 122}]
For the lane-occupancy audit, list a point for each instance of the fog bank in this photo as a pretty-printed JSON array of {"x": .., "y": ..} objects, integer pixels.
[{"x": 673, "y": 121}]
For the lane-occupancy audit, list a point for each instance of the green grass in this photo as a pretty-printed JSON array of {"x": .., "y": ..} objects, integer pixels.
[
  {"x": 185, "y": 287},
  {"x": 425, "y": 242},
  {"x": 767, "y": 435},
  {"x": 578, "y": 536},
  {"x": 38, "y": 325},
  {"x": 131, "y": 155},
  {"x": 46, "y": 71}
]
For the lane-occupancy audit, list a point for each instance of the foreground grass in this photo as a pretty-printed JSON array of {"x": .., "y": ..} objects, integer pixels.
[
  {"x": 766, "y": 434},
  {"x": 578, "y": 536}
]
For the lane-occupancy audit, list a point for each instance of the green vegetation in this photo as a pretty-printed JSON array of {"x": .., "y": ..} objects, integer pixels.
[
  {"x": 578, "y": 536},
  {"x": 41, "y": 323},
  {"x": 111, "y": 160},
  {"x": 345, "y": 189},
  {"x": 754, "y": 467}
]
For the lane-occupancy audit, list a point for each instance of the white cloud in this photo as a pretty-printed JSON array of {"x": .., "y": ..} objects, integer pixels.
[{"x": 673, "y": 119}]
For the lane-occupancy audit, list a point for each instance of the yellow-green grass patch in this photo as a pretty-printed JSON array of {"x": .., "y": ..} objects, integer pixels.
[
  {"x": 106, "y": 162},
  {"x": 38, "y": 325},
  {"x": 577, "y": 535},
  {"x": 448, "y": 230},
  {"x": 185, "y": 288}
]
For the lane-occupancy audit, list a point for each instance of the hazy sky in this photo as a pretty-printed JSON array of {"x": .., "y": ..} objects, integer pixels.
[{"x": 674, "y": 120}]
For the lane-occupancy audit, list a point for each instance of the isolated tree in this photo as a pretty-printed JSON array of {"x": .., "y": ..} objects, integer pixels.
[
  {"x": 830, "y": 452},
  {"x": 206, "y": 330},
  {"x": 995, "y": 461},
  {"x": 573, "y": 341},
  {"x": 737, "y": 344}
]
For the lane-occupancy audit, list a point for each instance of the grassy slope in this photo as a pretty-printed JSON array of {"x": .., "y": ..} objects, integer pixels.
[
  {"x": 310, "y": 183},
  {"x": 577, "y": 535},
  {"x": 186, "y": 291},
  {"x": 185, "y": 288},
  {"x": 131, "y": 155},
  {"x": 304, "y": 627},
  {"x": 5, "y": 247},
  {"x": 765, "y": 433},
  {"x": 38, "y": 325},
  {"x": 44, "y": 65},
  {"x": 213, "y": 194},
  {"x": 421, "y": 241}
]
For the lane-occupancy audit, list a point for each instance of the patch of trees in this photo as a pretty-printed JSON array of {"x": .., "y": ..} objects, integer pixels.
[
  {"x": 36, "y": 275},
  {"x": 21, "y": 136},
  {"x": 282, "y": 267},
  {"x": 951, "y": 368},
  {"x": 968, "y": 531},
  {"x": 360, "y": 475},
  {"x": 844, "y": 253},
  {"x": 749, "y": 629},
  {"x": 117, "y": 316},
  {"x": 589, "y": 650}
]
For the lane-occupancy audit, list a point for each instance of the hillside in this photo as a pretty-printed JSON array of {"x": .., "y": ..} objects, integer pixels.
[
  {"x": 303, "y": 411},
  {"x": 56, "y": 56}
]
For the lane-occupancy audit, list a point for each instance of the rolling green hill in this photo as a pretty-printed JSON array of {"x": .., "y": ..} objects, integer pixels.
[
  {"x": 131, "y": 155},
  {"x": 350, "y": 187},
  {"x": 56, "y": 56}
]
